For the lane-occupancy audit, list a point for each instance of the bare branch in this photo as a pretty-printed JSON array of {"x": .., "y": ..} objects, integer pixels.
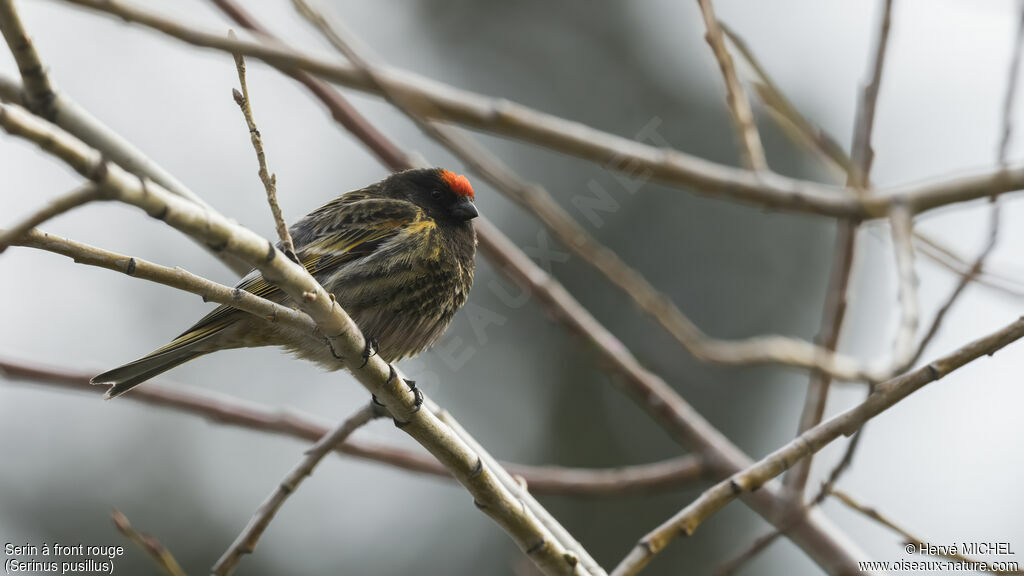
[
  {"x": 862, "y": 154},
  {"x": 665, "y": 165},
  {"x": 828, "y": 337},
  {"x": 739, "y": 106},
  {"x": 178, "y": 278},
  {"x": 39, "y": 94},
  {"x": 77, "y": 197},
  {"x": 759, "y": 545},
  {"x": 667, "y": 475},
  {"x": 73, "y": 118},
  {"x": 903, "y": 244},
  {"x": 908, "y": 539},
  {"x": 269, "y": 180},
  {"x": 250, "y": 536},
  {"x": 887, "y": 395},
  {"x": 150, "y": 545},
  {"x": 994, "y": 212},
  {"x": 343, "y": 335},
  {"x": 784, "y": 112}
]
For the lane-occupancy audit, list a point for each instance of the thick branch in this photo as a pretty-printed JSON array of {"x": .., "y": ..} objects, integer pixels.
[{"x": 887, "y": 395}]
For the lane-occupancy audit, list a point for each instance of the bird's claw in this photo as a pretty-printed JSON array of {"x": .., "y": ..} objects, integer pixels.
[{"x": 370, "y": 351}]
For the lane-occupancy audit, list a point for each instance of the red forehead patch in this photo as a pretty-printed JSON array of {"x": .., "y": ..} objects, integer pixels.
[{"x": 458, "y": 183}]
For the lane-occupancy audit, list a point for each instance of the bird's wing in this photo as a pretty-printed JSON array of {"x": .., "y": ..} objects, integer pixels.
[{"x": 358, "y": 226}]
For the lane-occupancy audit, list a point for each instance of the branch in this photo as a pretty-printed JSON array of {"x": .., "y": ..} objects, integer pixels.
[
  {"x": 77, "y": 197},
  {"x": 994, "y": 213},
  {"x": 73, "y": 118},
  {"x": 39, "y": 95},
  {"x": 887, "y": 395},
  {"x": 785, "y": 113},
  {"x": 908, "y": 539},
  {"x": 805, "y": 133},
  {"x": 739, "y": 106},
  {"x": 667, "y": 475},
  {"x": 662, "y": 164},
  {"x": 862, "y": 154},
  {"x": 247, "y": 540},
  {"x": 269, "y": 180},
  {"x": 343, "y": 336},
  {"x": 150, "y": 545},
  {"x": 828, "y": 337},
  {"x": 903, "y": 244}
]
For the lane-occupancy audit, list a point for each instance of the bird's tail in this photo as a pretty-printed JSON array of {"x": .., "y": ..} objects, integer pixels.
[{"x": 124, "y": 378}]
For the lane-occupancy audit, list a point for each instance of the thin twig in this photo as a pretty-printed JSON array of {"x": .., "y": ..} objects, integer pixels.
[
  {"x": 903, "y": 245},
  {"x": 888, "y": 394},
  {"x": 785, "y": 112},
  {"x": 737, "y": 561},
  {"x": 949, "y": 259},
  {"x": 805, "y": 133},
  {"x": 862, "y": 153},
  {"x": 77, "y": 197},
  {"x": 39, "y": 94},
  {"x": 250, "y": 536},
  {"x": 667, "y": 475},
  {"x": 150, "y": 545},
  {"x": 269, "y": 180},
  {"x": 908, "y": 539},
  {"x": 739, "y": 106},
  {"x": 828, "y": 337},
  {"x": 83, "y": 125},
  {"x": 177, "y": 278},
  {"x": 661, "y": 164},
  {"x": 994, "y": 211}
]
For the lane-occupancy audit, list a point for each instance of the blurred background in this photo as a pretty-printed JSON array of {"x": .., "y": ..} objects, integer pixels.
[{"x": 946, "y": 463}]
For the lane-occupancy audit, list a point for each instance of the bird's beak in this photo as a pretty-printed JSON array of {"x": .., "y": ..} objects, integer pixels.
[{"x": 464, "y": 210}]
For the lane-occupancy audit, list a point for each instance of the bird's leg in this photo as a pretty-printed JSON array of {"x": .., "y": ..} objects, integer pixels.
[{"x": 371, "y": 350}]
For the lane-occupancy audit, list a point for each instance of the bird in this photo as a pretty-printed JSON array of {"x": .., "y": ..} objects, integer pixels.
[{"x": 397, "y": 255}]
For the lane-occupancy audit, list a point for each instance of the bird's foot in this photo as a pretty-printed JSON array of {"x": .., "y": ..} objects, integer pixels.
[
  {"x": 370, "y": 351},
  {"x": 417, "y": 395}
]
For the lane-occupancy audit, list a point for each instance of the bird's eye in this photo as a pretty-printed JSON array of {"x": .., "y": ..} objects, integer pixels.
[{"x": 436, "y": 194}]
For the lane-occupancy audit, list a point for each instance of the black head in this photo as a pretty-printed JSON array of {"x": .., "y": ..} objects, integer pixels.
[{"x": 442, "y": 194}]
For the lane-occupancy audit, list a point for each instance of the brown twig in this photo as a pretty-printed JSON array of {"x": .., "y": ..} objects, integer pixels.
[
  {"x": 888, "y": 394},
  {"x": 739, "y": 105},
  {"x": 903, "y": 244},
  {"x": 671, "y": 474},
  {"x": 150, "y": 545},
  {"x": 77, "y": 197},
  {"x": 250, "y": 536},
  {"x": 269, "y": 180},
  {"x": 828, "y": 337},
  {"x": 908, "y": 539},
  {"x": 39, "y": 94},
  {"x": 994, "y": 212},
  {"x": 862, "y": 153}
]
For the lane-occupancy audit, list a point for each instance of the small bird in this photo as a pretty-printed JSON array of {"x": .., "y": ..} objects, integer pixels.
[{"x": 397, "y": 255}]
